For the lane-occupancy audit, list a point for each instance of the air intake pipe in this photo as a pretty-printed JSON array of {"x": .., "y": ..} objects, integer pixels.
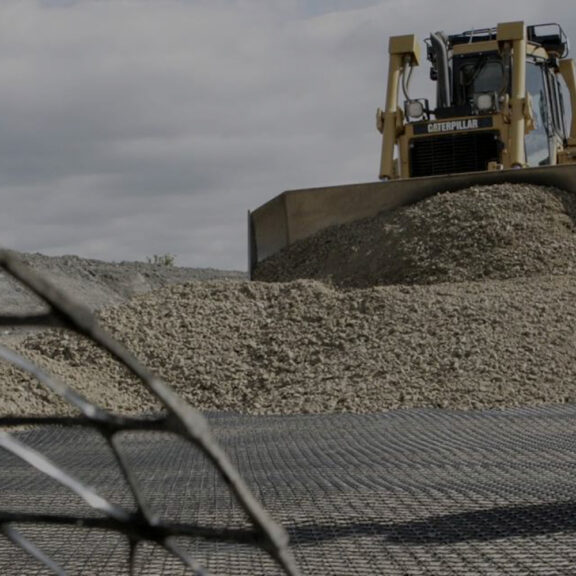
[{"x": 440, "y": 47}]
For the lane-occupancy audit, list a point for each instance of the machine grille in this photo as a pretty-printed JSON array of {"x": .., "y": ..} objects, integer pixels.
[{"x": 452, "y": 153}]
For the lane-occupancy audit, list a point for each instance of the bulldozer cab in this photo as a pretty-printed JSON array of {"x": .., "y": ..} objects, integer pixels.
[
  {"x": 499, "y": 95},
  {"x": 481, "y": 80}
]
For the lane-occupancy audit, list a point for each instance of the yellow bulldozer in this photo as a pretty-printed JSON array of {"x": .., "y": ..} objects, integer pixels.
[{"x": 500, "y": 116}]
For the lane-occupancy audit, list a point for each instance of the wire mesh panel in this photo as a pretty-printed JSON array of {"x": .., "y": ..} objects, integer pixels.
[
  {"x": 418, "y": 492},
  {"x": 410, "y": 492},
  {"x": 126, "y": 514}
]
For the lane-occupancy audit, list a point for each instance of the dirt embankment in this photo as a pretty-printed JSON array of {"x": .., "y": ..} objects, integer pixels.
[{"x": 474, "y": 307}]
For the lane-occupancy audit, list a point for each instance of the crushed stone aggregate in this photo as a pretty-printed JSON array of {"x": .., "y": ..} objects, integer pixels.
[{"x": 467, "y": 301}]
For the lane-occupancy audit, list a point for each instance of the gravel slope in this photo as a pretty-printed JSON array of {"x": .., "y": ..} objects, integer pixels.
[
  {"x": 304, "y": 347},
  {"x": 480, "y": 313},
  {"x": 485, "y": 232}
]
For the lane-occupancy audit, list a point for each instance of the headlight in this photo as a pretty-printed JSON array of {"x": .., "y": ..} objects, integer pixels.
[
  {"x": 414, "y": 109},
  {"x": 484, "y": 102}
]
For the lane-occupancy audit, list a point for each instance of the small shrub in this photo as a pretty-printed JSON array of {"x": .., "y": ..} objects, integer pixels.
[{"x": 161, "y": 259}]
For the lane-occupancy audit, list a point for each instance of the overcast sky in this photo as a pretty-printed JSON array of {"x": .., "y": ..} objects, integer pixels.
[{"x": 130, "y": 128}]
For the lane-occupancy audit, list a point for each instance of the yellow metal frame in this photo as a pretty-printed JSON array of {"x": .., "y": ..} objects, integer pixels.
[
  {"x": 476, "y": 47},
  {"x": 513, "y": 35},
  {"x": 569, "y": 75},
  {"x": 403, "y": 50}
]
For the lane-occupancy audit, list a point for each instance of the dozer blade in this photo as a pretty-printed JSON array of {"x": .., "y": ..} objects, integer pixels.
[{"x": 298, "y": 214}]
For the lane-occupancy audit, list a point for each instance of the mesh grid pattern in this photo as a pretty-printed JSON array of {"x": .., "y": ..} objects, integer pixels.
[
  {"x": 411, "y": 493},
  {"x": 415, "y": 492},
  {"x": 48, "y": 531}
]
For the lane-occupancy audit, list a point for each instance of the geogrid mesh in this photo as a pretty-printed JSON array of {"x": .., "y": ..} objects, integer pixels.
[
  {"x": 405, "y": 493},
  {"x": 413, "y": 492},
  {"x": 77, "y": 505}
]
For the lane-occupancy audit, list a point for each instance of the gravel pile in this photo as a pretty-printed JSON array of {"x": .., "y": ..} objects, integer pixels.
[
  {"x": 306, "y": 347},
  {"x": 484, "y": 232},
  {"x": 474, "y": 307}
]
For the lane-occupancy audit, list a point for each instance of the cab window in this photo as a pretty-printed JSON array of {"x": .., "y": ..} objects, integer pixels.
[
  {"x": 478, "y": 74},
  {"x": 537, "y": 140}
]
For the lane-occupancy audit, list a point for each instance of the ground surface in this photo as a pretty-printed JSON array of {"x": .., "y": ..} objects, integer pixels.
[
  {"x": 405, "y": 493},
  {"x": 467, "y": 301}
]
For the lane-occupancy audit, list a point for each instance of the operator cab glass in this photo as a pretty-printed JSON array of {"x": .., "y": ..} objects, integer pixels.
[
  {"x": 537, "y": 140},
  {"x": 476, "y": 75},
  {"x": 549, "y": 133}
]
